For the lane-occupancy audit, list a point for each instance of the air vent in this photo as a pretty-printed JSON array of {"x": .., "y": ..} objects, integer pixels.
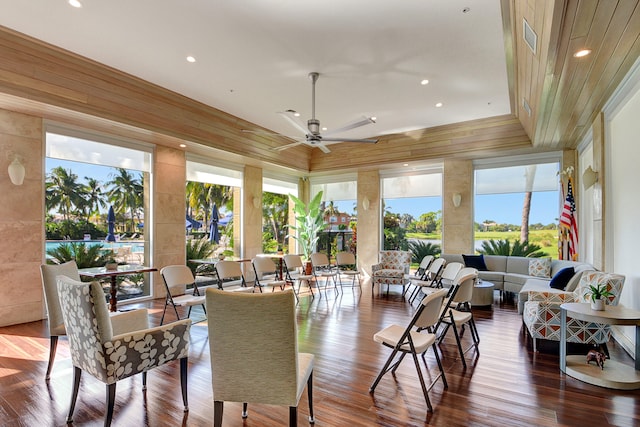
[
  {"x": 530, "y": 36},
  {"x": 526, "y": 106}
]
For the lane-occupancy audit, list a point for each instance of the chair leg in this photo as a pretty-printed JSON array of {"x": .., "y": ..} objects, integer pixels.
[
  {"x": 163, "y": 312},
  {"x": 77, "y": 373},
  {"x": 383, "y": 371},
  {"x": 218, "y": 407},
  {"x": 53, "y": 345},
  {"x": 183, "y": 382},
  {"x": 422, "y": 384},
  {"x": 245, "y": 410},
  {"x": 144, "y": 381},
  {"x": 111, "y": 398},
  {"x": 310, "y": 397},
  {"x": 455, "y": 331},
  {"x": 444, "y": 378},
  {"x": 293, "y": 416}
]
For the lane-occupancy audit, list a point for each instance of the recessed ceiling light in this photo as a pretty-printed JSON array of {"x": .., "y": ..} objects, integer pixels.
[
  {"x": 581, "y": 53},
  {"x": 466, "y": 10},
  {"x": 324, "y": 128},
  {"x": 296, "y": 114},
  {"x": 75, "y": 3},
  {"x": 373, "y": 119},
  {"x": 405, "y": 164},
  {"x": 191, "y": 59},
  {"x": 439, "y": 104},
  {"x": 183, "y": 145},
  {"x": 424, "y": 82}
]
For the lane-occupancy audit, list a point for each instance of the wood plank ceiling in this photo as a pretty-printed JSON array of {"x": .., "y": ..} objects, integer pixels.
[{"x": 564, "y": 93}]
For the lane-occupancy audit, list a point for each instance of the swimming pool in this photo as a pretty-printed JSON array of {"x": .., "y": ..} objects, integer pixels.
[{"x": 137, "y": 246}]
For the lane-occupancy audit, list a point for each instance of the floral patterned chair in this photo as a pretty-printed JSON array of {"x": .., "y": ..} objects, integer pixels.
[
  {"x": 541, "y": 314},
  {"x": 110, "y": 358},
  {"x": 392, "y": 269}
]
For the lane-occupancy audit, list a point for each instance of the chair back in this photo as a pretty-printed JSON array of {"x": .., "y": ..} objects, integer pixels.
[
  {"x": 424, "y": 264},
  {"x": 451, "y": 270},
  {"x": 86, "y": 318},
  {"x": 229, "y": 270},
  {"x": 319, "y": 260},
  {"x": 614, "y": 283},
  {"x": 292, "y": 262},
  {"x": 395, "y": 260},
  {"x": 429, "y": 311},
  {"x": 464, "y": 282},
  {"x": 436, "y": 267},
  {"x": 245, "y": 330},
  {"x": 48, "y": 273},
  {"x": 345, "y": 258},
  {"x": 263, "y": 265},
  {"x": 176, "y": 278}
]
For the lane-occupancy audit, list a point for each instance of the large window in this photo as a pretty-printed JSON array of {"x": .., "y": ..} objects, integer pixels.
[
  {"x": 87, "y": 176},
  {"x": 412, "y": 208},
  {"x": 212, "y": 203},
  {"x": 517, "y": 199},
  {"x": 339, "y": 196},
  {"x": 275, "y": 212}
]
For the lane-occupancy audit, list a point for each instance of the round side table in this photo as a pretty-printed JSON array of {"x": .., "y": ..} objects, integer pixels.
[{"x": 482, "y": 294}]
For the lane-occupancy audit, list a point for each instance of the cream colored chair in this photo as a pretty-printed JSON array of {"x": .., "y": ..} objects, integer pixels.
[
  {"x": 457, "y": 312},
  {"x": 412, "y": 339},
  {"x": 323, "y": 270},
  {"x": 392, "y": 269},
  {"x": 267, "y": 273},
  {"x": 449, "y": 273},
  {"x": 121, "y": 321},
  {"x": 176, "y": 279},
  {"x": 347, "y": 266},
  {"x": 294, "y": 270},
  {"x": 423, "y": 268},
  {"x": 239, "y": 353},
  {"x": 231, "y": 278},
  {"x": 431, "y": 278},
  {"x": 110, "y": 357}
]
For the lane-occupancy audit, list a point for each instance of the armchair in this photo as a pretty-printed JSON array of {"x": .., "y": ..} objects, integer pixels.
[
  {"x": 392, "y": 269},
  {"x": 110, "y": 358},
  {"x": 541, "y": 314}
]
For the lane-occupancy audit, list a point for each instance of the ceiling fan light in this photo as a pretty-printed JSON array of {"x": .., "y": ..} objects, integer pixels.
[{"x": 314, "y": 126}]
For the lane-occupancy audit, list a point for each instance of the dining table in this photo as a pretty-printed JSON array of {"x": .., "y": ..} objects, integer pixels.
[{"x": 121, "y": 270}]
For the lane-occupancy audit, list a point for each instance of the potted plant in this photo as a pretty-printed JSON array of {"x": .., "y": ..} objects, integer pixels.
[
  {"x": 309, "y": 222},
  {"x": 597, "y": 294}
]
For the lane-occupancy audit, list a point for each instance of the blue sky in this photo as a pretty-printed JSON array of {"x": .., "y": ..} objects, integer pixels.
[{"x": 501, "y": 208}]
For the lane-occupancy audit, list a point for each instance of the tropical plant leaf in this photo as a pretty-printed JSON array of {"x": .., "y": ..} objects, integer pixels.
[
  {"x": 419, "y": 249},
  {"x": 504, "y": 247}
]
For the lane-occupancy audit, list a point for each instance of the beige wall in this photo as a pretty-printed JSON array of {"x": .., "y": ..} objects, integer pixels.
[
  {"x": 168, "y": 212},
  {"x": 457, "y": 222},
  {"x": 21, "y": 220},
  {"x": 369, "y": 226},
  {"x": 252, "y": 214}
]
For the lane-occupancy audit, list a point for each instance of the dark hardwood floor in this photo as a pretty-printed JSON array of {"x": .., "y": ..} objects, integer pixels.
[{"x": 505, "y": 385}]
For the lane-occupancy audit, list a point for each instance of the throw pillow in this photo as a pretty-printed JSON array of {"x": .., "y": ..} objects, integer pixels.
[
  {"x": 561, "y": 278},
  {"x": 475, "y": 261},
  {"x": 540, "y": 267}
]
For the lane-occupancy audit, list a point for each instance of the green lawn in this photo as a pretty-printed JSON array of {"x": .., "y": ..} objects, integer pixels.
[{"x": 547, "y": 239}]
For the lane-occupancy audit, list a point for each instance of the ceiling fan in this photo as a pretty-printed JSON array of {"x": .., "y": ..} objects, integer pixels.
[{"x": 312, "y": 136}]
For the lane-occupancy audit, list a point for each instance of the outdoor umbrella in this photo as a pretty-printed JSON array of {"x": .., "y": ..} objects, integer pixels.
[
  {"x": 192, "y": 223},
  {"x": 111, "y": 221},
  {"x": 214, "y": 233}
]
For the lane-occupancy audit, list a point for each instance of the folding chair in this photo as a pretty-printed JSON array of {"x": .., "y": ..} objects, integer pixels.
[
  {"x": 322, "y": 269},
  {"x": 294, "y": 271},
  {"x": 231, "y": 278},
  {"x": 432, "y": 276},
  {"x": 176, "y": 278},
  {"x": 267, "y": 274},
  {"x": 347, "y": 266},
  {"x": 409, "y": 339}
]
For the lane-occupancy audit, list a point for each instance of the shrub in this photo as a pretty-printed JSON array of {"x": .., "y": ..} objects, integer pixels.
[
  {"x": 419, "y": 249},
  {"x": 84, "y": 255},
  {"x": 199, "y": 249},
  {"x": 504, "y": 247}
]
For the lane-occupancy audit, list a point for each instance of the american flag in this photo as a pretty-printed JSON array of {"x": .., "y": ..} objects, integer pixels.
[{"x": 568, "y": 221}]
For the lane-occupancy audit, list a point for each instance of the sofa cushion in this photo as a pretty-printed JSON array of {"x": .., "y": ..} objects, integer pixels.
[
  {"x": 540, "y": 267},
  {"x": 496, "y": 262},
  {"x": 519, "y": 279},
  {"x": 561, "y": 279},
  {"x": 475, "y": 261}
]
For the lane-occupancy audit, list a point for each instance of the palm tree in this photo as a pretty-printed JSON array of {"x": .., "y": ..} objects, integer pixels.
[
  {"x": 94, "y": 196},
  {"x": 63, "y": 192},
  {"x": 504, "y": 247},
  {"x": 126, "y": 193},
  {"x": 275, "y": 214}
]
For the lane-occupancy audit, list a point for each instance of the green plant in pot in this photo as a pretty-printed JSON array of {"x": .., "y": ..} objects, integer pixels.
[
  {"x": 598, "y": 294},
  {"x": 309, "y": 222}
]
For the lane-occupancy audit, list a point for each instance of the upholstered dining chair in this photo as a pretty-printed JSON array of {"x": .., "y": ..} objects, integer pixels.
[
  {"x": 120, "y": 321},
  {"x": 414, "y": 338},
  {"x": 347, "y": 266},
  {"x": 294, "y": 270},
  {"x": 238, "y": 352},
  {"x": 95, "y": 348},
  {"x": 176, "y": 279}
]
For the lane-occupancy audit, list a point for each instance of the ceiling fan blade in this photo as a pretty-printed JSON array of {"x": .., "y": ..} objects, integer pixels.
[
  {"x": 323, "y": 148},
  {"x": 355, "y": 124},
  {"x": 368, "y": 141},
  {"x": 284, "y": 147},
  {"x": 295, "y": 122}
]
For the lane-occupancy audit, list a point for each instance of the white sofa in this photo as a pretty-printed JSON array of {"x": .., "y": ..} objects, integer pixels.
[{"x": 511, "y": 274}]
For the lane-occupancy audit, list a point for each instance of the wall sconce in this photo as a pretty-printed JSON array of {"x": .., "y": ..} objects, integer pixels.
[
  {"x": 589, "y": 177},
  {"x": 365, "y": 203},
  {"x": 256, "y": 202},
  {"x": 456, "y": 198},
  {"x": 16, "y": 168}
]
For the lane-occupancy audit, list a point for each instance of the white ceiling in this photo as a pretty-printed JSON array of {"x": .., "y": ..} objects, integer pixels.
[{"x": 254, "y": 56}]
